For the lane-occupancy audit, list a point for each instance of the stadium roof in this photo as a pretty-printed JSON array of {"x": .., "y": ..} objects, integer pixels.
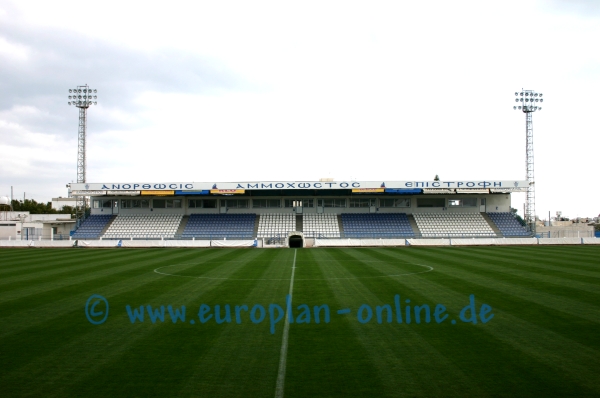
[{"x": 191, "y": 188}]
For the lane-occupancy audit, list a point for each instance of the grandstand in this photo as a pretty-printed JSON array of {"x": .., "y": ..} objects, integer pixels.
[
  {"x": 321, "y": 225},
  {"x": 508, "y": 224},
  {"x": 93, "y": 226},
  {"x": 143, "y": 226},
  {"x": 275, "y": 211},
  {"x": 220, "y": 226},
  {"x": 391, "y": 225},
  {"x": 445, "y": 224},
  {"x": 276, "y": 224}
]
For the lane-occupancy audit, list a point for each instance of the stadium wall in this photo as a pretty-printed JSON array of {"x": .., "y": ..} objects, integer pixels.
[
  {"x": 570, "y": 231},
  {"x": 308, "y": 243},
  {"x": 493, "y": 203}
]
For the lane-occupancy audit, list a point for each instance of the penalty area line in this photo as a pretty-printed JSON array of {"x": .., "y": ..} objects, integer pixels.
[{"x": 284, "y": 341}]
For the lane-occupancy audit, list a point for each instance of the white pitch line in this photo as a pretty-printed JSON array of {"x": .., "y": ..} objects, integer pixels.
[
  {"x": 430, "y": 268},
  {"x": 284, "y": 342}
]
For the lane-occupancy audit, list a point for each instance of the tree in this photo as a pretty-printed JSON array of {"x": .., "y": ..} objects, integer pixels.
[
  {"x": 67, "y": 210},
  {"x": 33, "y": 207},
  {"x": 436, "y": 178},
  {"x": 518, "y": 217}
]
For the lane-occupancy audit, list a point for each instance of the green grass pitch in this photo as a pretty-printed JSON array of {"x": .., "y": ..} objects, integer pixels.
[{"x": 541, "y": 335}]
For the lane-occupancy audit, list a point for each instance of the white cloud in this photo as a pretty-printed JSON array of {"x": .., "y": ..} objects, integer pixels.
[
  {"x": 26, "y": 154},
  {"x": 13, "y": 52}
]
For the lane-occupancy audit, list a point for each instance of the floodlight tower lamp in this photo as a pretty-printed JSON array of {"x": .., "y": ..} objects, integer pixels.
[
  {"x": 528, "y": 101},
  {"x": 82, "y": 97}
]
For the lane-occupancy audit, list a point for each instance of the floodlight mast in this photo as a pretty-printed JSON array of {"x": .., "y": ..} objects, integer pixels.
[
  {"x": 528, "y": 102},
  {"x": 82, "y": 97}
]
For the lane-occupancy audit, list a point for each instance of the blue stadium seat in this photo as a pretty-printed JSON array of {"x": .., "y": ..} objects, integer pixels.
[
  {"x": 92, "y": 226},
  {"x": 508, "y": 224},
  {"x": 219, "y": 226},
  {"x": 378, "y": 225}
]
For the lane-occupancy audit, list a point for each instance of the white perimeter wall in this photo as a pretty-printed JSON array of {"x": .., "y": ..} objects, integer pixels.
[{"x": 308, "y": 242}]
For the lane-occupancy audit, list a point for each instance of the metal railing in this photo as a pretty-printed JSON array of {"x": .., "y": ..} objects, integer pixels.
[{"x": 282, "y": 238}]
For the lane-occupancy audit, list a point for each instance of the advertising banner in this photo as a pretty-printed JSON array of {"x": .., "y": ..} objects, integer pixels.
[
  {"x": 215, "y": 187},
  {"x": 158, "y": 193}
]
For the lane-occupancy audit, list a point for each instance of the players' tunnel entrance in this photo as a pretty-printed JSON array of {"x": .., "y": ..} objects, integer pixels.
[{"x": 296, "y": 241}]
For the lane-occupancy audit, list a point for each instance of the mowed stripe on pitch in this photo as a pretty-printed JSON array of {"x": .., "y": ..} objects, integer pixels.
[
  {"x": 524, "y": 321},
  {"x": 324, "y": 359},
  {"x": 402, "y": 352},
  {"x": 122, "y": 338},
  {"x": 67, "y": 302},
  {"x": 429, "y": 290},
  {"x": 540, "y": 341}
]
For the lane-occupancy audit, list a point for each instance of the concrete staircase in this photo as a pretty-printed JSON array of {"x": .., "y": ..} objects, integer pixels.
[
  {"x": 492, "y": 225},
  {"x": 413, "y": 224},
  {"x": 107, "y": 225},
  {"x": 341, "y": 226},
  {"x": 256, "y": 222},
  {"x": 299, "y": 223},
  {"x": 182, "y": 225}
]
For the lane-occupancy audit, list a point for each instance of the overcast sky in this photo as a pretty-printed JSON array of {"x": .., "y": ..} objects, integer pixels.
[{"x": 261, "y": 91}]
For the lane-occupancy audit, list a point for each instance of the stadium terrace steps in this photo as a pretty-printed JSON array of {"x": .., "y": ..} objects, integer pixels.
[
  {"x": 508, "y": 224},
  {"x": 376, "y": 225},
  {"x": 299, "y": 223},
  {"x": 340, "y": 225},
  {"x": 492, "y": 225},
  {"x": 276, "y": 225},
  {"x": 108, "y": 224},
  {"x": 93, "y": 226},
  {"x": 256, "y": 224},
  {"x": 320, "y": 225},
  {"x": 182, "y": 225},
  {"x": 413, "y": 224},
  {"x": 448, "y": 224},
  {"x": 134, "y": 226},
  {"x": 220, "y": 226}
]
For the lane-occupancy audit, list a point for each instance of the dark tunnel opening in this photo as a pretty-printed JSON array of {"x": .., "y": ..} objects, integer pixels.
[{"x": 296, "y": 241}]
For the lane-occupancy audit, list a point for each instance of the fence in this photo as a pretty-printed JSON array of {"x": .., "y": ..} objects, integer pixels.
[
  {"x": 566, "y": 233},
  {"x": 308, "y": 242}
]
